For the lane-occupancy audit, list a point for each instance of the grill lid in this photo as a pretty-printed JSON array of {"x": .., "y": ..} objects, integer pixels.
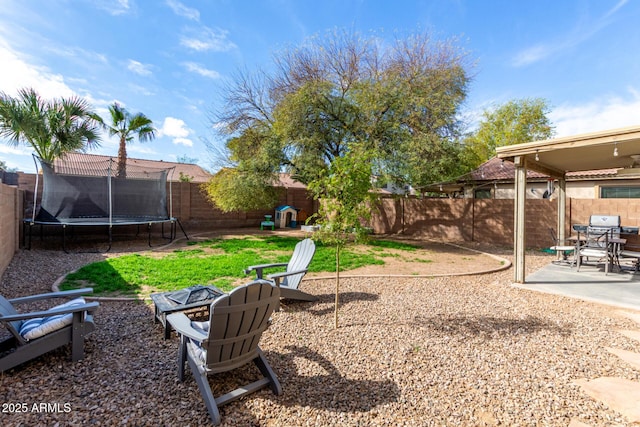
[{"x": 604, "y": 221}]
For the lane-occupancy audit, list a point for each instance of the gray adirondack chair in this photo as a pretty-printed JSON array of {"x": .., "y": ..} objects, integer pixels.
[
  {"x": 36, "y": 333},
  {"x": 289, "y": 281},
  {"x": 228, "y": 340}
]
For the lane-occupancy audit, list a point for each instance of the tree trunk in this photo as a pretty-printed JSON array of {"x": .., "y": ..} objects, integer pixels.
[
  {"x": 337, "y": 284},
  {"x": 122, "y": 159}
]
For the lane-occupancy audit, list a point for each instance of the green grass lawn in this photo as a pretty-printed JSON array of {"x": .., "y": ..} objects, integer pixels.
[{"x": 217, "y": 261}]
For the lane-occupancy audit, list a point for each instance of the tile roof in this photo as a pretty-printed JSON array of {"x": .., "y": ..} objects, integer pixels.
[
  {"x": 195, "y": 172},
  {"x": 288, "y": 182},
  {"x": 496, "y": 169}
]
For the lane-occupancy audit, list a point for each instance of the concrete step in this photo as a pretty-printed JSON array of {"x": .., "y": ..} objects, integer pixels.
[
  {"x": 620, "y": 394},
  {"x": 635, "y": 316},
  {"x": 631, "y": 357},
  {"x": 634, "y": 335}
]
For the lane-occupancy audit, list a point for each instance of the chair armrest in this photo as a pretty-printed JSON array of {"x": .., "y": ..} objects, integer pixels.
[
  {"x": 286, "y": 273},
  {"x": 260, "y": 267},
  {"x": 60, "y": 294},
  {"x": 182, "y": 325},
  {"x": 277, "y": 276},
  {"x": 90, "y": 307}
]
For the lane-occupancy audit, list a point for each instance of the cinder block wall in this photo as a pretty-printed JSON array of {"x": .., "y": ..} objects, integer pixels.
[
  {"x": 476, "y": 220},
  {"x": 460, "y": 220},
  {"x": 628, "y": 209},
  {"x": 10, "y": 220},
  {"x": 195, "y": 211},
  {"x": 190, "y": 205}
]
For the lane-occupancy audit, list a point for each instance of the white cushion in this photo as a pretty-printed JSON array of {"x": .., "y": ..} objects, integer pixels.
[
  {"x": 200, "y": 353},
  {"x": 37, "y": 327}
]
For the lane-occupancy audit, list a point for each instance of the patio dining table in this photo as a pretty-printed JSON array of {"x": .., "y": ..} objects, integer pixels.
[{"x": 613, "y": 247}]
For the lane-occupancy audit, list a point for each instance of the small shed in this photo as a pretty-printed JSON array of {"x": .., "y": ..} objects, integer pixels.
[{"x": 286, "y": 216}]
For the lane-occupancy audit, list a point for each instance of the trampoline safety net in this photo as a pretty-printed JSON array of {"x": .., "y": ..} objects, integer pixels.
[{"x": 76, "y": 190}]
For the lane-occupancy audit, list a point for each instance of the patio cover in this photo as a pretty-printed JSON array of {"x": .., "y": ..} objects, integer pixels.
[{"x": 556, "y": 157}]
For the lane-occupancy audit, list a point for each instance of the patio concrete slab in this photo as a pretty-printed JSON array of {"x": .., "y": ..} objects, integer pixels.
[
  {"x": 619, "y": 394},
  {"x": 620, "y": 289}
]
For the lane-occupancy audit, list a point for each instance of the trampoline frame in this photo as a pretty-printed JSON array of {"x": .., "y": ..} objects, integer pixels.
[
  {"x": 109, "y": 221},
  {"x": 102, "y": 222}
]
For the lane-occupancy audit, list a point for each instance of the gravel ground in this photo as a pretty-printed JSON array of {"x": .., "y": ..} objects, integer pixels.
[{"x": 447, "y": 351}]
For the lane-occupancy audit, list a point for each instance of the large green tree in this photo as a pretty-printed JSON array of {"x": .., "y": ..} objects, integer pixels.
[
  {"x": 398, "y": 103},
  {"x": 515, "y": 122},
  {"x": 125, "y": 126},
  {"x": 50, "y": 127}
]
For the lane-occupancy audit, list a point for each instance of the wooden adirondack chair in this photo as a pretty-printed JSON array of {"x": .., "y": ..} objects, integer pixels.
[
  {"x": 228, "y": 340},
  {"x": 297, "y": 267},
  {"x": 38, "y": 332}
]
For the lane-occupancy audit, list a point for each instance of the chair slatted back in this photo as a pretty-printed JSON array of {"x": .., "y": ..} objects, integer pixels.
[
  {"x": 7, "y": 309},
  {"x": 597, "y": 239},
  {"x": 300, "y": 260},
  {"x": 237, "y": 321}
]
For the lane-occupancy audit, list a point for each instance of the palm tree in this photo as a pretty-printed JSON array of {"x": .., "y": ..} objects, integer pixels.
[
  {"x": 52, "y": 127},
  {"x": 125, "y": 126}
]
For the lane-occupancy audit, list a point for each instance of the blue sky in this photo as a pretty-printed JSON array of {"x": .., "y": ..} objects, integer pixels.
[{"x": 169, "y": 58}]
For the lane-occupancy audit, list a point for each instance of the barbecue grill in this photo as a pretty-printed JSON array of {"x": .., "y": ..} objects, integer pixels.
[{"x": 601, "y": 224}]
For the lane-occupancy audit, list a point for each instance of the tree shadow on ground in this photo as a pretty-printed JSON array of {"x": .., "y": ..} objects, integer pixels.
[
  {"x": 490, "y": 326},
  {"x": 326, "y": 388},
  {"x": 324, "y": 304}
]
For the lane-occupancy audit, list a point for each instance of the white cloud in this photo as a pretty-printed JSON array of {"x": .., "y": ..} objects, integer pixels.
[
  {"x": 140, "y": 89},
  {"x": 139, "y": 67},
  {"x": 532, "y": 54},
  {"x": 176, "y": 129},
  {"x": 183, "y": 141},
  {"x": 198, "y": 69},
  {"x": 599, "y": 114},
  {"x": 575, "y": 37},
  {"x": 17, "y": 73},
  {"x": 206, "y": 38},
  {"x": 117, "y": 7},
  {"x": 184, "y": 11},
  {"x": 18, "y": 151}
]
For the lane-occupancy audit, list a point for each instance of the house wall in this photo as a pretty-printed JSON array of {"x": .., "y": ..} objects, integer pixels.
[
  {"x": 10, "y": 220},
  {"x": 587, "y": 189}
]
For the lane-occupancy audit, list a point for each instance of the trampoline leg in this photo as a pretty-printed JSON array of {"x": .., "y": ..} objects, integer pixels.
[
  {"x": 149, "y": 233},
  {"x": 181, "y": 228},
  {"x": 64, "y": 239},
  {"x": 24, "y": 234},
  {"x": 110, "y": 239}
]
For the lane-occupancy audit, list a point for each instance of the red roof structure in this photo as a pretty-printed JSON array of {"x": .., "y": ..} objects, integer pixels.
[
  {"x": 192, "y": 172},
  {"x": 496, "y": 169}
]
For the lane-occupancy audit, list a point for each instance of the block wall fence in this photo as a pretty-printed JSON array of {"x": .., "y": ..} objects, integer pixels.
[
  {"x": 492, "y": 220},
  {"x": 10, "y": 219},
  {"x": 453, "y": 220}
]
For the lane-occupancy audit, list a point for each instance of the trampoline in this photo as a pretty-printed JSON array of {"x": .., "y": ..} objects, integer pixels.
[{"x": 88, "y": 193}]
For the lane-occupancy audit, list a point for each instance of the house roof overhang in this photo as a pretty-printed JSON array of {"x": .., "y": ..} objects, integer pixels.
[{"x": 555, "y": 157}]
